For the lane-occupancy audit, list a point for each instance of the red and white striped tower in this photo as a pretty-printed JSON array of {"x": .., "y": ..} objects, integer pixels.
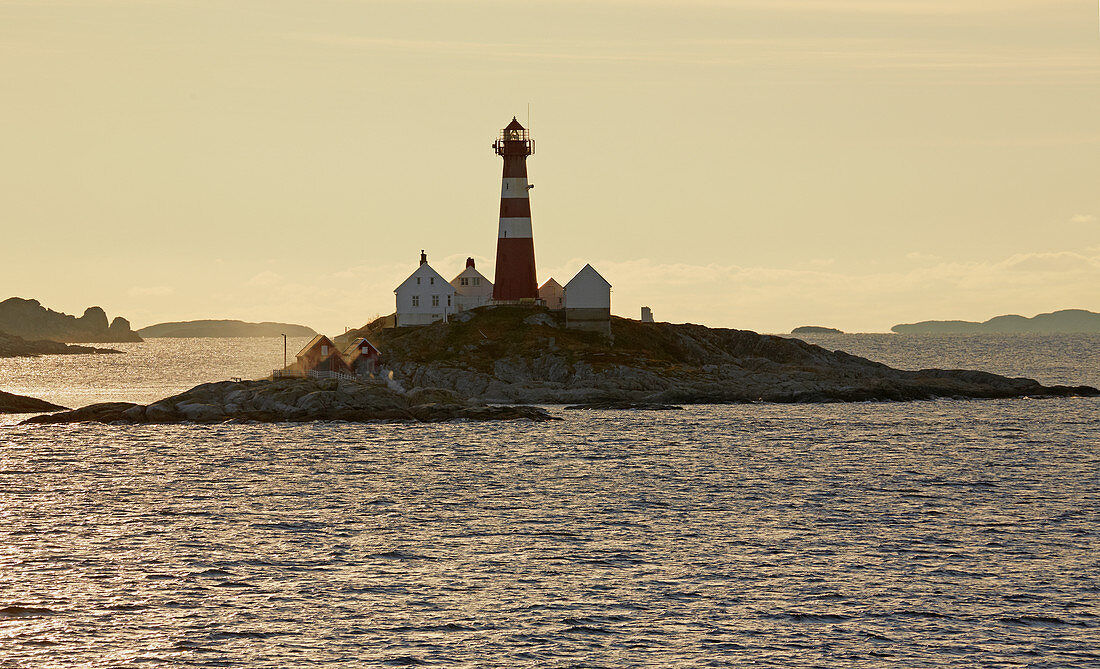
[{"x": 515, "y": 272}]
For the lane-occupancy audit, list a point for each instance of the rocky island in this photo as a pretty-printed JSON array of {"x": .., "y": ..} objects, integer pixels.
[
  {"x": 520, "y": 354},
  {"x": 499, "y": 355},
  {"x": 30, "y": 320},
  {"x": 12, "y": 346},
  {"x": 224, "y": 328},
  {"x": 1066, "y": 321},
  {"x": 815, "y": 330},
  {"x": 299, "y": 400}
]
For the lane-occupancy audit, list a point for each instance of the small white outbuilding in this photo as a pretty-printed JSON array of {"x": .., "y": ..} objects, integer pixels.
[
  {"x": 425, "y": 297},
  {"x": 552, "y": 294},
  {"x": 587, "y": 301}
]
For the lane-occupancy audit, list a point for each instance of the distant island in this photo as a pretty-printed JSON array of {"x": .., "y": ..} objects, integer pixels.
[
  {"x": 815, "y": 329},
  {"x": 12, "y": 346},
  {"x": 1067, "y": 321},
  {"x": 224, "y": 328},
  {"x": 30, "y": 320}
]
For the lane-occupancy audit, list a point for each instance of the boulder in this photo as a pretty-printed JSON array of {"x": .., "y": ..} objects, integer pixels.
[
  {"x": 161, "y": 413},
  {"x": 201, "y": 413},
  {"x": 94, "y": 320}
]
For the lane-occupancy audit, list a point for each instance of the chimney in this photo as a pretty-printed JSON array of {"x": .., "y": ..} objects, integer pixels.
[
  {"x": 423, "y": 257},
  {"x": 469, "y": 262}
]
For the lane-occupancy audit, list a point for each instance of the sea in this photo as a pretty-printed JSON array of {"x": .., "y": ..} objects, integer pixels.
[{"x": 943, "y": 533}]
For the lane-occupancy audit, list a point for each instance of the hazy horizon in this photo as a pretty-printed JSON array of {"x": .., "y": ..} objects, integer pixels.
[{"x": 758, "y": 165}]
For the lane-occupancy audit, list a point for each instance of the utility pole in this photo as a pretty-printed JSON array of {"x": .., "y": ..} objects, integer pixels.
[{"x": 284, "y": 351}]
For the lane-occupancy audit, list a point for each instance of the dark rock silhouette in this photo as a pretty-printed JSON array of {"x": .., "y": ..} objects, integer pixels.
[
  {"x": 815, "y": 329},
  {"x": 10, "y": 403},
  {"x": 12, "y": 346},
  {"x": 1064, "y": 321},
  {"x": 30, "y": 320},
  {"x": 299, "y": 400},
  {"x": 224, "y": 328}
]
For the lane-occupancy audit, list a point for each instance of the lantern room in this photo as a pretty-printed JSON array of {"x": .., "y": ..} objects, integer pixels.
[{"x": 514, "y": 140}]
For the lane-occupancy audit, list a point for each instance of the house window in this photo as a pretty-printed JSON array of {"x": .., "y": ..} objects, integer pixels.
[
  {"x": 431, "y": 280},
  {"x": 366, "y": 350},
  {"x": 465, "y": 281},
  {"x": 416, "y": 299},
  {"x": 435, "y": 300},
  {"x": 477, "y": 281},
  {"x": 448, "y": 300},
  {"x": 418, "y": 281},
  {"x": 324, "y": 349}
]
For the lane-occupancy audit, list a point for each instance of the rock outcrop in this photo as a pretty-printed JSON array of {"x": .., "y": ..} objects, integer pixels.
[
  {"x": 815, "y": 329},
  {"x": 211, "y": 328},
  {"x": 30, "y": 320},
  {"x": 10, "y": 403},
  {"x": 15, "y": 347},
  {"x": 298, "y": 400},
  {"x": 501, "y": 354}
]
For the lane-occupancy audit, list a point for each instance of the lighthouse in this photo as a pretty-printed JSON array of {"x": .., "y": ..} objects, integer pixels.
[{"x": 515, "y": 271}]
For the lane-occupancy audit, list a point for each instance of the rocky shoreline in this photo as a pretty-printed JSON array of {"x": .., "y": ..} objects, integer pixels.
[
  {"x": 511, "y": 355},
  {"x": 298, "y": 400}
]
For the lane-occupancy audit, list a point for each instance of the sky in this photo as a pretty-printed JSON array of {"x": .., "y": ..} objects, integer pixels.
[{"x": 756, "y": 164}]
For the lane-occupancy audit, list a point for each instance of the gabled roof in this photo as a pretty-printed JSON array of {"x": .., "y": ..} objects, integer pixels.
[
  {"x": 424, "y": 271},
  {"x": 358, "y": 344},
  {"x": 317, "y": 341},
  {"x": 550, "y": 283},
  {"x": 468, "y": 273},
  {"x": 587, "y": 273}
]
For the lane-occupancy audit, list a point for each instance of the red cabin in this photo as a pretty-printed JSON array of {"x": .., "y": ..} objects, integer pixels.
[
  {"x": 362, "y": 356},
  {"x": 321, "y": 355}
]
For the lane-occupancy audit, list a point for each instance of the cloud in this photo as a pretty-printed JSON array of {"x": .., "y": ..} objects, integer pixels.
[
  {"x": 1082, "y": 218},
  {"x": 922, "y": 257},
  {"x": 1046, "y": 263},
  {"x": 264, "y": 280},
  {"x": 776, "y": 299},
  {"x": 907, "y": 7},
  {"x": 761, "y": 298},
  {"x": 151, "y": 291}
]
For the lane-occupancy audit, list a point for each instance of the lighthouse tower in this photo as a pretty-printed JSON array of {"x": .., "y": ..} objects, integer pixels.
[{"x": 515, "y": 272}]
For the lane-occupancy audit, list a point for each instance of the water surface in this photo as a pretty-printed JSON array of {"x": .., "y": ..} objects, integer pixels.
[{"x": 947, "y": 533}]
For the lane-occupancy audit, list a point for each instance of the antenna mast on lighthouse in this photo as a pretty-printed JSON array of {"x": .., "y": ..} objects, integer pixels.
[{"x": 515, "y": 271}]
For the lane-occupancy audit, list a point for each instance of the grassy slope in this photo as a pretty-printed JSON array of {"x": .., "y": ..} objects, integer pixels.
[{"x": 500, "y": 332}]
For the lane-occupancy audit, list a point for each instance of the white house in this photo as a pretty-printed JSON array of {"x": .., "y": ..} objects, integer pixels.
[
  {"x": 425, "y": 297},
  {"x": 552, "y": 293},
  {"x": 587, "y": 301},
  {"x": 472, "y": 289}
]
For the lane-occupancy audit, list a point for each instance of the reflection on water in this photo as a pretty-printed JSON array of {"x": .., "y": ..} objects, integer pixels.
[
  {"x": 925, "y": 534},
  {"x": 920, "y": 534},
  {"x": 147, "y": 371}
]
